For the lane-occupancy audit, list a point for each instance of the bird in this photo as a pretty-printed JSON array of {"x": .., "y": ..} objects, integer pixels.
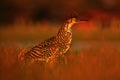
[{"x": 50, "y": 49}]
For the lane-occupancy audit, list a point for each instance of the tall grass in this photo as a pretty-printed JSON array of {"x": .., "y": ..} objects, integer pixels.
[
  {"x": 93, "y": 56},
  {"x": 96, "y": 63}
]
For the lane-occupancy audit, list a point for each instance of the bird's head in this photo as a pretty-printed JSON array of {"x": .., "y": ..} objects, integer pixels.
[
  {"x": 74, "y": 20},
  {"x": 70, "y": 22}
]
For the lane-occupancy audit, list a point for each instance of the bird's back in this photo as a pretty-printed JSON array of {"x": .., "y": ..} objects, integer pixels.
[{"x": 42, "y": 51}]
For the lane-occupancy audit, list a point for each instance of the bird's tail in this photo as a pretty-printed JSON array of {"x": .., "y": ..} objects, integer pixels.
[{"x": 21, "y": 56}]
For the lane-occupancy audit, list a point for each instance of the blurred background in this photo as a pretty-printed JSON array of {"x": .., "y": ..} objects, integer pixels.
[
  {"x": 25, "y": 11},
  {"x": 35, "y": 16},
  {"x": 95, "y": 50}
]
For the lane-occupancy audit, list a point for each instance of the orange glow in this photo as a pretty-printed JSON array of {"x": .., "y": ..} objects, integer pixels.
[{"x": 86, "y": 27}]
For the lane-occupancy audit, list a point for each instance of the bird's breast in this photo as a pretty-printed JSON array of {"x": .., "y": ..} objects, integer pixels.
[{"x": 65, "y": 42}]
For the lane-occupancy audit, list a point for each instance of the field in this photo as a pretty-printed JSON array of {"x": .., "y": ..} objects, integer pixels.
[{"x": 94, "y": 55}]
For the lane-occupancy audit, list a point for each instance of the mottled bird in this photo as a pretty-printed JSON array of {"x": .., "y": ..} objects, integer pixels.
[{"x": 49, "y": 50}]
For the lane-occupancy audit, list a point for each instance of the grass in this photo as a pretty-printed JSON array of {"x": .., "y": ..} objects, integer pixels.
[
  {"x": 96, "y": 63},
  {"x": 93, "y": 56}
]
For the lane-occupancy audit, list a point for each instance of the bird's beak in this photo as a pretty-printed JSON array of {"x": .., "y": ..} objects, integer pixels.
[{"x": 82, "y": 19}]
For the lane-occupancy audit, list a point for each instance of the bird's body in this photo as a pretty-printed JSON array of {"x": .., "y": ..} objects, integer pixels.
[{"x": 52, "y": 48}]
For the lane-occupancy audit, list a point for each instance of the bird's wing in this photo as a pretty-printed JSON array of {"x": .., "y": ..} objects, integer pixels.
[
  {"x": 48, "y": 43},
  {"x": 47, "y": 48}
]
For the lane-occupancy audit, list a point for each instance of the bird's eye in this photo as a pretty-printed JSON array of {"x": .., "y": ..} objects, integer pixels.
[{"x": 73, "y": 20}]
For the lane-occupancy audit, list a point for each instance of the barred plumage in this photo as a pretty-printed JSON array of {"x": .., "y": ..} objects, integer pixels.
[{"x": 52, "y": 48}]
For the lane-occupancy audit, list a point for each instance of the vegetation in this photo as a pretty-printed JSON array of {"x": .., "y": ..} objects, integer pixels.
[{"x": 93, "y": 56}]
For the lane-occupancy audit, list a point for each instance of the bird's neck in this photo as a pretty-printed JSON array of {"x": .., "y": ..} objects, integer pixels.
[
  {"x": 65, "y": 28},
  {"x": 65, "y": 32}
]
